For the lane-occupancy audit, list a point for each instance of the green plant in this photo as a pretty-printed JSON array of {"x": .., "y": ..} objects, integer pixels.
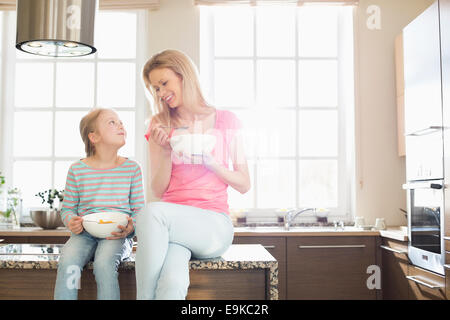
[
  {"x": 50, "y": 196},
  {"x": 12, "y": 203},
  {"x": 2, "y": 179}
]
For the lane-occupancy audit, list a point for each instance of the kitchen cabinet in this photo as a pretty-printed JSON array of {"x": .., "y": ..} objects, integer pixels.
[
  {"x": 330, "y": 267},
  {"x": 425, "y": 285},
  {"x": 400, "y": 89},
  {"x": 394, "y": 257},
  {"x": 277, "y": 248}
]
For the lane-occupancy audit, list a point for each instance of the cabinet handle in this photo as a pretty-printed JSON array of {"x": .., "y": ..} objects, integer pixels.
[
  {"x": 334, "y": 246},
  {"x": 269, "y": 247},
  {"x": 414, "y": 278},
  {"x": 393, "y": 250},
  {"x": 447, "y": 266}
]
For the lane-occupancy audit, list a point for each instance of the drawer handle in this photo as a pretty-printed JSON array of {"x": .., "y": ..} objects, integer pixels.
[
  {"x": 393, "y": 250},
  {"x": 269, "y": 247},
  {"x": 334, "y": 246},
  {"x": 414, "y": 278}
]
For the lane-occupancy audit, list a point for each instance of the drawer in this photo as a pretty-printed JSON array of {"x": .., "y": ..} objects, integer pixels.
[
  {"x": 447, "y": 281},
  {"x": 425, "y": 285},
  {"x": 398, "y": 249}
]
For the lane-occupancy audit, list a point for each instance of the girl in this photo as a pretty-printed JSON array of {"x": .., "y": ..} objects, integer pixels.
[
  {"x": 192, "y": 217},
  {"x": 103, "y": 181}
]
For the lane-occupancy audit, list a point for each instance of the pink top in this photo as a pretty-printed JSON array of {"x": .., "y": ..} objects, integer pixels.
[{"x": 195, "y": 185}]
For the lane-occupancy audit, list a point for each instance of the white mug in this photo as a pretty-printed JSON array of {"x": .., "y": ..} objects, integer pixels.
[
  {"x": 359, "y": 222},
  {"x": 380, "y": 224}
]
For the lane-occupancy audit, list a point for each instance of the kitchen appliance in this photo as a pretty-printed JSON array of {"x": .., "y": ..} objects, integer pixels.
[
  {"x": 424, "y": 141},
  {"x": 58, "y": 28}
]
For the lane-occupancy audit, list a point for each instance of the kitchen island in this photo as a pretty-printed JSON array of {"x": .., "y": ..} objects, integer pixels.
[{"x": 28, "y": 271}]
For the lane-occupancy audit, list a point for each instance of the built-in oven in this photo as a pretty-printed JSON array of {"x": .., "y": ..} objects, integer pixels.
[{"x": 425, "y": 200}]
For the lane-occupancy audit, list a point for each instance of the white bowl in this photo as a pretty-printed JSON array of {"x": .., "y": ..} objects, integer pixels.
[
  {"x": 193, "y": 144},
  {"x": 91, "y": 223}
]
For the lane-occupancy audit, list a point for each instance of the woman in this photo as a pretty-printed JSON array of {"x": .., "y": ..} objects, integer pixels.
[{"x": 192, "y": 217}]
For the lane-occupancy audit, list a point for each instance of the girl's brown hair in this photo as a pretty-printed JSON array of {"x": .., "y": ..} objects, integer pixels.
[
  {"x": 182, "y": 66},
  {"x": 88, "y": 125}
]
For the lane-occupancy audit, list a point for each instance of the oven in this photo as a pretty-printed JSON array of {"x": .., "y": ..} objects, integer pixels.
[{"x": 425, "y": 201}]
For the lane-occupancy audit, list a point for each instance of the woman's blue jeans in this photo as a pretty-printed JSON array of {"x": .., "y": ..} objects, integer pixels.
[
  {"x": 168, "y": 234},
  {"x": 77, "y": 252}
]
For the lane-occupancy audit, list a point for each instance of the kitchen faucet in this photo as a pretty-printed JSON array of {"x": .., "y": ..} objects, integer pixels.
[{"x": 291, "y": 215}]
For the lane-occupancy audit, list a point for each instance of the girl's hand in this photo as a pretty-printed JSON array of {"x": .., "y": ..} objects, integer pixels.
[
  {"x": 160, "y": 136},
  {"x": 75, "y": 225},
  {"x": 125, "y": 231}
]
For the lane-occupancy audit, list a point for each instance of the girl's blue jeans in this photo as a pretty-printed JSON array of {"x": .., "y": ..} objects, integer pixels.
[
  {"x": 168, "y": 234},
  {"x": 77, "y": 252}
]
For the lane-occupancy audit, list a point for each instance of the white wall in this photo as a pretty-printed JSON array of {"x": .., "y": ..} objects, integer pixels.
[{"x": 380, "y": 172}]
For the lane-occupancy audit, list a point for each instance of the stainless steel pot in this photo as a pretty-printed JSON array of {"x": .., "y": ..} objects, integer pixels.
[{"x": 46, "y": 219}]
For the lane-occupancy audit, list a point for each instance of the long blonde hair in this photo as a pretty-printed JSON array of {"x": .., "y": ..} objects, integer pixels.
[{"x": 182, "y": 66}]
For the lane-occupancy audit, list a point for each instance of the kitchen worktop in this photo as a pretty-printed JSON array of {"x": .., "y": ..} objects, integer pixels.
[
  {"x": 237, "y": 257},
  {"x": 397, "y": 233}
]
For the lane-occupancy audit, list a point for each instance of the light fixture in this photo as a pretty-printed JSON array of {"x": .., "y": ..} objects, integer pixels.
[{"x": 58, "y": 28}]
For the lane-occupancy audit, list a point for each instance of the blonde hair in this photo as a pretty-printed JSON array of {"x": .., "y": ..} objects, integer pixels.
[
  {"x": 88, "y": 124},
  {"x": 183, "y": 67}
]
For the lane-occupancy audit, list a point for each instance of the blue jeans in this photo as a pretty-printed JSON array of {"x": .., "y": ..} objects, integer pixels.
[
  {"x": 168, "y": 234},
  {"x": 77, "y": 252}
]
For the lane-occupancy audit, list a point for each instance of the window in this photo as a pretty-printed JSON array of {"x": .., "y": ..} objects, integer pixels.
[
  {"x": 45, "y": 99},
  {"x": 287, "y": 73}
]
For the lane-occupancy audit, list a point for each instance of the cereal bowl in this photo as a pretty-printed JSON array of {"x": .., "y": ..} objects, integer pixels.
[{"x": 101, "y": 224}]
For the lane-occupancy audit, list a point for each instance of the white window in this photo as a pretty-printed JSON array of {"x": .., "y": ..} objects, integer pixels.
[
  {"x": 45, "y": 98},
  {"x": 287, "y": 73}
]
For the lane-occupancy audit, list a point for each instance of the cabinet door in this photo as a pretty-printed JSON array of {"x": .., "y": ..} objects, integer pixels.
[
  {"x": 425, "y": 285},
  {"x": 423, "y": 103},
  {"x": 394, "y": 256},
  {"x": 330, "y": 267},
  {"x": 277, "y": 248}
]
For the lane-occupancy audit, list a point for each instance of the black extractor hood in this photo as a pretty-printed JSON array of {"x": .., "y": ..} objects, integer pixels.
[{"x": 56, "y": 28}]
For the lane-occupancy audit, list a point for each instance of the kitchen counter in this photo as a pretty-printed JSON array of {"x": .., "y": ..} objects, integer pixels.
[
  {"x": 396, "y": 233},
  {"x": 42, "y": 257}
]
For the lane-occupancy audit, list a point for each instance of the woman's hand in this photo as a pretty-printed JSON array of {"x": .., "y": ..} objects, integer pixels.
[
  {"x": 125, "y": 231},
  {"x": 160, "y": 136},
  {"x": 75, "y": 225}
]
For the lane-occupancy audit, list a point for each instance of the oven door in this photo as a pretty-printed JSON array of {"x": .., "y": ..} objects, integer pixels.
[{"x": 425, "y": 224}]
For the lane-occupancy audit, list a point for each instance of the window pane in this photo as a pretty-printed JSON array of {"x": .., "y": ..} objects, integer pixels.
[
  {"x": 32, "y": 134},
  {"x": 236, "y": 200},
  {"x": 233, "y": 39},
  {"x": 116, "y": 85},
  {"x": 128, "y": 119},
  {"x": 75, "y": 85},
  {"x": 276, "y": 83},
  {"x": 318, "y": 183},
  {"x": 318, "y": 133},
  {"x": 318, "y": 31},
  {"x": 68, "y": 142},
  {"x": 61, "y": 169},
  {"x": 233, "y": 81},
  {"x": 276, "y": 132},
  {"x": 318, "y": 83},
  {"x": 34, "y": 85},
  {"x": 276, "y": 183},
  {"x": 32, "y": 177},
  {"x": 115, "y": 35},
  {"x": 275, "y": 31},
  {"x": 249, "y": 130}
]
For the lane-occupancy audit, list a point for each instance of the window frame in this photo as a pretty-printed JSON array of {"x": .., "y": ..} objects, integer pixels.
[
  {"x": 7, "y": 84},
  {"x": 345, "y": 109}
]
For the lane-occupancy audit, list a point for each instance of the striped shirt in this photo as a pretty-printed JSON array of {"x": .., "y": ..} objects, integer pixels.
[{"x": 90, "y": 190}]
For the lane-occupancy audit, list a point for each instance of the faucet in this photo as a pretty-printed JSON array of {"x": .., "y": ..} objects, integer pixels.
[{"x": 291, "y": 215}]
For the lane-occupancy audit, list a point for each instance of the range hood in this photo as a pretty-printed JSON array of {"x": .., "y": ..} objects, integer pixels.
[{"x": 56, "y": 28}]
